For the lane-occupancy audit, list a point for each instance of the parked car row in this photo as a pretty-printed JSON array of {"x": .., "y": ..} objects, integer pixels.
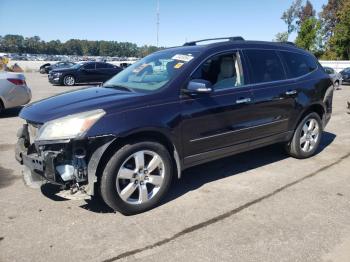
[
  {"x": 345, "y": 75},
  {"x": 336, "y": 77},
  {"x": 71, "y": 58}
]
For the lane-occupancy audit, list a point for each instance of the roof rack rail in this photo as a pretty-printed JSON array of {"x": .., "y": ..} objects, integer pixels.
[
  {"x": 231, "y": 38},
  {"x": 288, "y": 43}
]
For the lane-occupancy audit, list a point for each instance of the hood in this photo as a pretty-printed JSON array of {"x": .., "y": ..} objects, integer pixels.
[{"x": 78, "y": 101}]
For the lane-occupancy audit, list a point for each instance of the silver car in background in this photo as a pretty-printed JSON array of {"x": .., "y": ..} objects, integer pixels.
[
  {"x": 336, "y": 77},
  {"x": 13, "y": 90}
]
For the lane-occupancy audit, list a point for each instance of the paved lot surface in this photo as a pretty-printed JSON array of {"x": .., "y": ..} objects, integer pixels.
[{"x": 256, "y": 206}]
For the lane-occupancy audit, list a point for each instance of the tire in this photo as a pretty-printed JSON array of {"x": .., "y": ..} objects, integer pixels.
[
  {"x": 336, "y": 84},
  {"x": 306, "y": 138},
  {"x": 128, "y": 186},
  {"x": 69, "y": 80},
  {"x": 2, "y": 107}
]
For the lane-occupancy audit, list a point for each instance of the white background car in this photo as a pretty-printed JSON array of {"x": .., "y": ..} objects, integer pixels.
[
  {"x": 336, "y": 77},
  {"x": 13, "y": 90}
]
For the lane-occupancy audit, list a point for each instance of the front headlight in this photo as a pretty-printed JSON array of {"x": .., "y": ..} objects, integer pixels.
[
  {"x": 57, "y": 74},
  {"x": 72, "y": 126}
]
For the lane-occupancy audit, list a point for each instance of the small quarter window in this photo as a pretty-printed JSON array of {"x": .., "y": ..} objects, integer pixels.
[
  {"x": 223, "y": 71},
  {"x": 265, "y": 66},
  {"x": 298, "y": 64}
]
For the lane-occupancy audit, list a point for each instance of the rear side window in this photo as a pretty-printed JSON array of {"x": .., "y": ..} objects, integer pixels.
[
  {"x": 329, "y": 70},
  {"x": 298, "y": 64},
  {"x": 89, "y": 66},
  {"x": 100, "y": 66},
  {"x": 265, "y": 66},
  {"x": 109, "y": 66}
]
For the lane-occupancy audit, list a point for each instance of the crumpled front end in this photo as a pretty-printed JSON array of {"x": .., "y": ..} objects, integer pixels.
[{"x": 70, "y": 163}]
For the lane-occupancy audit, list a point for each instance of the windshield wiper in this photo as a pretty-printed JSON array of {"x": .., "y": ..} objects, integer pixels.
[{"x": 124, "y": 88}]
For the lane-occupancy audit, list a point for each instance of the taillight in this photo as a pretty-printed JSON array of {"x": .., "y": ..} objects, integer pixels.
[{"x": 16, "y": 81}]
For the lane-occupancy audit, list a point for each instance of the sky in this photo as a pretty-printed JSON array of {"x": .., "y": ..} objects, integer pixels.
[{"x": 135, "y": 20}]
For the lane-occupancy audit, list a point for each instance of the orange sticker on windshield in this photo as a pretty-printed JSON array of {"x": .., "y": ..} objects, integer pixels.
[{"x": 178, "y": 65}]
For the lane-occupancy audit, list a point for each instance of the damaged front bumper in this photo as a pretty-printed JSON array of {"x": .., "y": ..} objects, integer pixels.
[{"x": 72, "y": 164}]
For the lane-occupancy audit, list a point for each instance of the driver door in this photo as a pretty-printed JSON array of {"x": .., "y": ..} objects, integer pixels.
[{"x": 218, "y": 123}]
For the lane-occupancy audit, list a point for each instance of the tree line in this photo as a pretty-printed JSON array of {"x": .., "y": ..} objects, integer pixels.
[
  {"x": 35, "y": 45},
  {"x": 326, "y": 34}
]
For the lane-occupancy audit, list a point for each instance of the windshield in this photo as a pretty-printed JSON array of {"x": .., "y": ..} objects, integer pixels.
[{"x": 152, "y": 72}]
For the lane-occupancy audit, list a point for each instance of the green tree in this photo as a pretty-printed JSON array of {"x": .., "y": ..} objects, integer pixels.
[
  {"x": 13, "y": 43},
  {"x": 308, "y": 34},
  {"x": 340, "y": 41},
  {"x": 329, "y": 17},
  {"x": 19, "y": 44},
  {"x": 290, "y": 16},
  {"x": 307, "y": 11},
  {"x": 281, "y": 37}
]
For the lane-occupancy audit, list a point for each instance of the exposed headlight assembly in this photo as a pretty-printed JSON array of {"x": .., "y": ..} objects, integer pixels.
[
  {"x": 72, "y": 126},
  {"x": 57, "y": 74}
]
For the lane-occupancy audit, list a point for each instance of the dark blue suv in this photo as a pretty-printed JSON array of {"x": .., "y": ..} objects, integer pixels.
[{"x": 174, "y": 109}]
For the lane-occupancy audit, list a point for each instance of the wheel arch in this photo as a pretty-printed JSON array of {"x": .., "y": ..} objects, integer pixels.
[
  {"x": 316, "y": 108},
  {"x": 106, "y": 151}
]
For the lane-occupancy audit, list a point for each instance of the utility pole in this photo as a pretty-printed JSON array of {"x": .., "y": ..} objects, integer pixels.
[{"x": 157, "y": 23}]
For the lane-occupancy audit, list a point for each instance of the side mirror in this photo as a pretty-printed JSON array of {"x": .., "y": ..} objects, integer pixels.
[{"x": 199, "y": 86}]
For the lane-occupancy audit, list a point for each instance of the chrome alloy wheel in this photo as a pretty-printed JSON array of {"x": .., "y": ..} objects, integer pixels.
[
  {"x": 309, "y": 135},
  {"x": 69, "y": 80},
  {"x": 140, "y": 177}
]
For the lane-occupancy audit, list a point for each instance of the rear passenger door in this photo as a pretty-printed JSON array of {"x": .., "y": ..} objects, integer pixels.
[
  {"x": 104, "y": 71},
  {"x": 273, "y": 95},
  {"x": 88, "y": 73}
]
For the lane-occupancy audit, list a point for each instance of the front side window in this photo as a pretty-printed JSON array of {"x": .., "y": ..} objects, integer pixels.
[
  {"x": 152, "y": 72},
  {"x": 265, "y": 66},
  {"x": 223, "y": 71},
  {"x": 298, "y": 64}
]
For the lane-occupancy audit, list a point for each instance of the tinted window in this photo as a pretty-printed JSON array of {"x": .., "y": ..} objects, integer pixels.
[
  {"x": 89, "y": 66},
  {"x": 223, "y": 71},
  {"x": 265, "y": 66},
  {"x": 298, "y": 64},
  {"x": 102, "y": 65},
  {"x": 329, "y": 70},
  {"x": 109, "y": 66}
]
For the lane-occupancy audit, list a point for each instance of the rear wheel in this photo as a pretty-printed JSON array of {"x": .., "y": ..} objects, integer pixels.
[
  {"x": 2, "y": 108},
  {"x": 307, "y": 137},
  {"x": 137, "y": 177},
  {"x": 69, "y": 80}
]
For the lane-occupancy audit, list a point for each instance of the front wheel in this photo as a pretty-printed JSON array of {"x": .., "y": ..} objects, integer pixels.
[
  {"x": 306, "y": 138},
  {"x": 137, "y": 177},
  {"x": 69, "y": 80}
]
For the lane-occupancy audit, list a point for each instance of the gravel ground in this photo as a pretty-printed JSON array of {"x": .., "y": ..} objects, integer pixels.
[{"x": 256, "y": 206}]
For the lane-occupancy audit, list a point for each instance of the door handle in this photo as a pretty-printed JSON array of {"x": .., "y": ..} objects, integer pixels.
[
  {"x": 291, "y": 92},
  {"x": 243, "y": 100}
]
